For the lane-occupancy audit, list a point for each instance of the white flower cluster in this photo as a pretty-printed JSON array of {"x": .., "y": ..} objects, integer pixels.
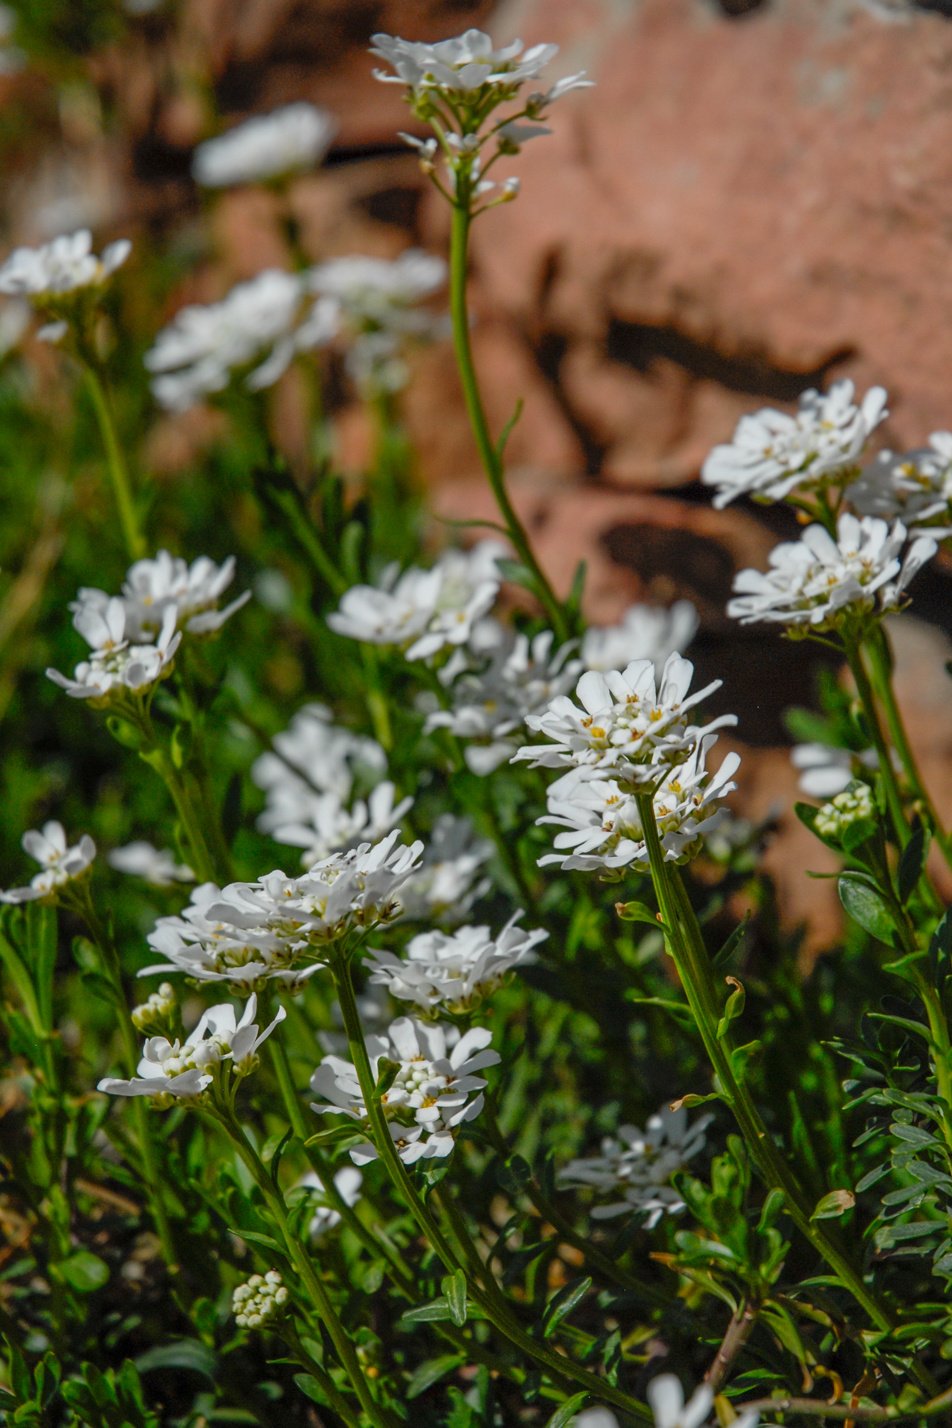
[
  {"x": 627, "y": 736},
  {"x": 254, "y": 333},
  {"x": 454, "y": 972},
  {"x": 449, "y": 880},
  {"x": 635, "y": 1169},
  {"x": 157, "y": 866},
  {"x": 134, "y": 637},
  {"x": 376, "y": 303},
  {"x": 774, "y": 455},
  {"x": 423, "y": 612},
  {"x": 347, "y": 1182},
  {"x": 156, "y": 1009},
  {"x": 259, "y": 1300},
  {"x": 281, "y": 927},
  {"x": 435, "y": 1089},
  {"x": 854, "y": 805},
  {"x": 267, "y": 147},
  {"x": 60, "y": 864},
  {"x": 645, "y": 632},
  {"x": 915, "y": 488},
  {"x": 817, "y": 583},
  {"x": 176, "y": 1069},
  {"x": 457, "y": 84},
  {"x": 61, "y": 277}
]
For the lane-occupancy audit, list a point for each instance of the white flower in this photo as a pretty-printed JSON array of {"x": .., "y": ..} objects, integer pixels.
[
  {"x": 59, "y": 863},
  {"x": 154, "y": 586},
  {"x": 457, "y": 970},
  {"x": 826, "y": 771},
  {"x": 448, "y": 881},
  {"x": 461, "y": 65},
  {"x": 491, "y": 705},
  {"x": 430, "y": 1097},
  {"x": 627, "y": 723},
  {"x": 773, "y": 454},
  {"x": 55, "y": 276},
  {"x": 635, "y": 1169},
  {"x": 280, "y": 927},
  {"x": 602, "y": 822},
  {"x": 157, "y": 866},
  {"x": 188, "y": 1068},
  {"x": 666, "y": 1399},
  {"x": 595, "y": 1418},
  {"x": 646, "y": 632},
  {"x": 916, "y": 487},
  {"x": 347, "y": 1182},
  {"x": 324, "y": 824},
  {"x": 253, "y": 333},
  {"x": 423, "y": 611},
  {"x": 268, "y": 146},
  {"x": 156, "y": 1010},
  {"x": 312, "y": 755},
  {"x": 258, "y": 1300},
  {"x": 116, "y": 667},
  {"x": 817, "y": 582}
]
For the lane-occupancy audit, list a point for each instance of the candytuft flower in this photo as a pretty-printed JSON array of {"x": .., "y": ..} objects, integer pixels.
[
  {"x": 450, "y": 877},
  {"x": 63, "y": 279},
  {"x": 774, "y": 454},
  {"x": 454, "y": 972},
  {"x": 141, "y": 859},
  {"x": 916, "y": 488},
  {"x": 259, "y": 1300},
  {"x": 430, "y": 1097},
  {"x": 177, "y": 1069},
  {"x": 818, "y": 583},
  {"x": 154, "y": 586},
  {"x": 118, "y": 669},
  {"x": 252, "y": 335},
  {"x": 267, "y": 147},
  {"x": 60, "y": 864},
  {"x": 666, "y": 1399},
  {"x": 646, "y": 632}
]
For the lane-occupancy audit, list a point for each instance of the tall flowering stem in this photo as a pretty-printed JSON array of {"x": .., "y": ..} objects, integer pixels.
[
  {"x": 491, "y": 1301},
  {"x": 115, "y": 461},
  {"x": 488, "y": 450},
  {"x": 686, "y": 945}
]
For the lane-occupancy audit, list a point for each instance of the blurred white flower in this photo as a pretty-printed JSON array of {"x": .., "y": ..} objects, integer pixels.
[
  {"x": 666, "y": 1400},
  {"x": 324, "y": 824},
  {"x": 116, "y": 667},
  {"x": 313, "y": 754},
  {"x": 347, "y": 1182},
  {"x": 59, "y": 276},
  {"x": 266, "y": 147},
  {"x": 253, "y": 334},
  {"x": 59, "y": 863},
  {"x": 454, "y": 971},
  {"x": 916, "y": 488},
  {"x": 14, "y": 321},
  {"x": 602, "y": 823},
  {"x": 489, "y": 706},
  {"x": 635, "y": 1167},
  {"x": 646, "y": 632},
  {"x": 430, "y": 1097},
  {"x": 463, "y": 66},
  {"x": 188, "y": 1068},
  {"x": 259, "y": 1300},
  {"x": 423, "y": 611},
  {"x": 157, "y": 866},
  {"x": 826, "y": 771},
  {"x": 819, "y": 583},
  {"x": 450, "y": 877},
  {"x": 627, "y": 723},
  {"x": 773, "y": 454}
]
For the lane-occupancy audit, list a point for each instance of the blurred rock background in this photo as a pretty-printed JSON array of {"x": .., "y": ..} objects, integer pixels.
[{"x": 756, "y": 198}]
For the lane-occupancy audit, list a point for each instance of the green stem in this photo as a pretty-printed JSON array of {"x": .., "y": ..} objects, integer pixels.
[
  {"x": 320, "y": 1299},
  {"x": 883, "y": 755},
  {"x": 880, "y": 670},
  {"x": 493, "y": 1305},
  {"x": 115, "y": 461},
  {"x": 488, "y": 451},
  {"x": 208, "y": 864},
  {"x": 686, "y": 946}
]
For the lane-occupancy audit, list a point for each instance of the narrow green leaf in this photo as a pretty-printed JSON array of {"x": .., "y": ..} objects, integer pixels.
[
  {"x": 867, "y": 906},
  {"x": 733, "y": 1007},
  {"x": 562, "y": 1305},
  {"x": 912, "y": 863},
  {"x": 565, "y": 1414},
  {"x": 430, "y": 1372},
  {"x": 454, "y": 1288},
  {"x": 836, "y": 1203},
  {"x": 638, "y": 912},
  {"x": 183, "y": 1354}
]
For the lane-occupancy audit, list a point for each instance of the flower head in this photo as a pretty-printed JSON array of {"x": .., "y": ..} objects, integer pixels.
[
  {"x": 258, "y": 1300},
  {"x": 424, "y": 612},
  {"x": 916, "y": 488},
  {"x": 627, "y": 723},
  {"x": 635, "y": 1168},
  {"x": 646, "y": 632},
  {"x": 253, "y": 334},
  {"x": 854, "y": 805},
  {"x": 117, "y": 668},
  {"x": 454, "y": 971},
  {"x": 156, "y": 585},
  {"x": 818, "y": 583},
  {"x": 62, "y": 279},
  {"x": 59, "y": 863},
  {"x": 774, "y": 454},
  {"x": 177, "y": 1069},
  {"x": 666, "y": 1399},
  {"x": 450, "y": 877},
  {"x": 267, "y": 147},
  {"x": 431, "y": 1094}
]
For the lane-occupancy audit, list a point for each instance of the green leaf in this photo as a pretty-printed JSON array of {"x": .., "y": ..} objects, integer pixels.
[
  {"x": 454, "y": 1288},
  {"x": 732, "y": 943},
  {"x": 83, "y": 1271},
  {"x": 867, "y": 906},
  {"x": 836, "y": 1203},
  {"x": 562, "y": 1305},
  {"x": 565, "y": 1414},
  {"x": 311, "y": 1389},
  {"x": 733, "y": 1007},
  {"x": 638, "y": 912},
  {"x": 507, "y": 430},
  {"x": 190, "y": 1354},
  {"x": 425, "y": 1375},
  {"x": 912, "y": 863}
]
